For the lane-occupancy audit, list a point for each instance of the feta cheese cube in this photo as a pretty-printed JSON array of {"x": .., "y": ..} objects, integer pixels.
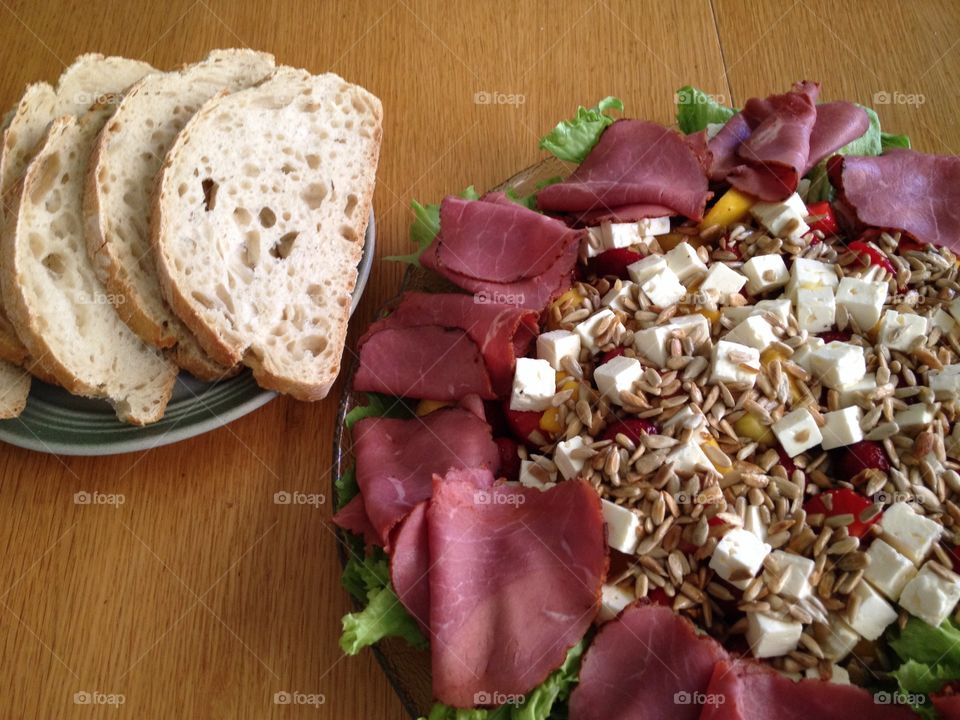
[
  {"x": 810, "y": 275},
  {"x": 797, "y": 431},
  {"x": 687, "y": 417},
  {"x": 556, "y": 345},
  {"x": 664, "y": 288},
  {"x": 914, "y": 417},
  {"x": 694, "y": 326},
  {"x": 873, "y": 615},
  {"x": 586, "y": 329},
  {"x": 910, "y": 533},
  {"x": 838, "y": 364},
  {"x": 765, "y": 273},
  {"x": 617, "y": 375},
  {"x": 838, "y": 675},
  {"x": 593, "y": 242},
  {"x": 803, "y": 354},
  {"x": 842, "y": 428},
  {"x": 753, "y": 521},
  {"x": 534, "y": 476},
  {"x": 621, "y": 235},
  {"x": 534, "y": 385},
  {"x": 930, "y": 596},
  {"x": 753, "y": 332},
  {"x": 798, "y": 569},
  {"x": 685, "y": 262},
  {"x": 622, "y": 526},
  {"x": 654, "y": 226},
  {"x": 902, "y": 331},
  {"x": 816, "y": 309},
  {"x": 613, "y": 600},
  {"x": 739, "y": 555},
  {"x": 653, "y": 343},
  {"x": 889, "y": 571},
  {"x": 615, "y": 297},
  {"x": 769, "y": 636},
  {"x": 942, "y": 320},
  {"x": 563, "y": 457},
  {"x": 863, "y": 300},
  {"x": 853, "y": 394},
  {"x": 688, "y": 459},
  {"x": 721, "y": 282},
  {"x": 836, "y": 638},
  {"x": 735, "y": 363},
  {"x": 643, "y": 270},
  {"x": 945, "y": 383},
  {"x": 784, "y": 219}
]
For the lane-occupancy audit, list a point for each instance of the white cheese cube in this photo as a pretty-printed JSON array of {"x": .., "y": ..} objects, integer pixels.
[
  {"x": 810, "y": 275},
  {"x": 739, "y": 555},
  {"x": 889, "y": 571},
  {"x": 838, "y": 675},
  {"x": 765, "y": 273},
  {"x": 803, "y": 354},
  {"x": 586, "y": 329},
  {"x": 688, "y": 459},
  {"x": 613, "y": 600},
  {"x": 644, "y": 269},
  {"x": 654, "y": 226},
  {"x": 798, "y": 569},
  {"x": 621, "y": 235},
  {"x": 842, "y": 428},
  {"x": 910, "y": 533},
  {"x": 534, "y": 476},
  {"x": 873, "y": 615},
  {"x": 694, "y": 326},
  {"x": 685, "y": 262},
  {"x": 622, "y": 526},
  {"x": 930, "y": 596},
  {"x": 836, "y": 638},
  {"x": 945, "y": 383},
  {"x": 568, "y": 465},
  {"x": 816, "y": 309},
  {"x": 838, "y": 364},
  {"x": 753, "y": 521},
  {"x": 852, "y": 394},
  {"x": 556, "y": 345},
  {"x": 735, "y": 363},
  {"x": 534, "y": 385},
  {"x": 753, "y": 332},
  {"x": 797, "y": 431},
  {"x": 784, "y": 219},
  {"x": 617, "y": 375},
  {"x": 914, "y": 417},
  {"x": 664, "y": 288},
  {"x": 614, "y": 299},
  {"x": 721, "y": 282},
  {"x": 653, "y": 343},
  {"x": 593, "y": 242},
  {"x": 769, "y": 636},
  {"x": 901, "y": 331},
  {"x": 687, "y": 417},
  {"x": 779, "y": 308},
  {"x": 942, "y": 320},
  {"x": 863, "y": 300}
]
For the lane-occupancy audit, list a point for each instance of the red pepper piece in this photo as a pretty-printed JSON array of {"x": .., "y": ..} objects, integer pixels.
[
  {"x": 614, "y": 262},
  {"x": 843, "y": 501}
]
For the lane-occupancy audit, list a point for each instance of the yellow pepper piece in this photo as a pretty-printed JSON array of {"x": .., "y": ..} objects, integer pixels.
[
  {"x": 550, "y": 420},
  {"x": 771, "y": 354},
  {"x": 572, "y": 294},
  {"x": 749, "y": 426},
  {"x": 425, "y": 407},
  {"x": 732, "y": 207},
  {"x": 711, "y": 315}
]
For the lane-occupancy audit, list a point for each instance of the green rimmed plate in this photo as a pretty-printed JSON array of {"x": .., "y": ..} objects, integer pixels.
[{"x": 57, "y": 422}]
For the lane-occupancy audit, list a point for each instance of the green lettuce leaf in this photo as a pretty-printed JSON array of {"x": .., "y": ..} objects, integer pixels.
[
  {"x": 889, "y": 140},
  {"x": 696, "y": 110},
  {"x": 384, "y": 616},
  {"x": 425, "y": 226},
  {"x": 869, "y": 142},
  {"x": 572, "y": 140},
  {"x": 917, "y": 677},
  {"x": 927, "y": 644},
  {"x": 365, "y": 574},
  {"x": 377, "y": 406},
  {"x": 346, "y": 487}
]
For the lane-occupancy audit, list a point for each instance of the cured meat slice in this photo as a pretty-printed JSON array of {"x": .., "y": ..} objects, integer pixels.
[
  {"x": 353, "y": 517},
  {"x": 410, "y": 565}
]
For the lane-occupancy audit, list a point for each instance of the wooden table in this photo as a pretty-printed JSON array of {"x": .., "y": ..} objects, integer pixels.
[{"x": 201, "y": 598}]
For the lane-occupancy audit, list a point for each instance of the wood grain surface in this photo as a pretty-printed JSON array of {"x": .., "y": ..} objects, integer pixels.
[{"x": 198, "y": 596}]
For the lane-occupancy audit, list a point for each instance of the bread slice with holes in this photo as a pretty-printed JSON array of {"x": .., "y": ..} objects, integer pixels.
[
  {"x": 258, "y": 224},
  {"x": 14, "y": 388},
  {"x": 126, "y": 159},
  {"x": 53, "y": 298},
  {"x": 90, "y": 77}
]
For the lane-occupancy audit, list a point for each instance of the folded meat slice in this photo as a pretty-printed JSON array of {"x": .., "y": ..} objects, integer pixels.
[
  {"x": 746, "y": 690},
  {"x": 397, "y": 459},
  {"x": 353, "y": 517},
  {"x": 444, "y": 346},
  {"x": 903, "y": 190},
  {"x": 647, "y": 664},
  {"x": 515, "y": 578},
  {"x": 410, "y": 565},
  {"x": 503, "y": 252},
  {"x": 635, "y": 162}
]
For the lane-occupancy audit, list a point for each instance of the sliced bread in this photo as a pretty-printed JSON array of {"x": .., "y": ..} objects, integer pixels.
[
  {"x": 14, "y": 388},
  {"x": 87, "y": 79},
  {"x": 119, "y": 188},
  {"x": 54, "y": 300},
  {"x": 258, "y": 224}
]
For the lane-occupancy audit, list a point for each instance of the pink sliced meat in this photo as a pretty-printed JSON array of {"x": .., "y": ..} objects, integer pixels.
[
  {"x": 450, "y": 346},
  {"x": 410, "y": 565},
  {"x": 353, "y": 517},
  {"x": 635, "y": 162},
  {"x": 647, "y": 664},
  {"x": 397, "y": 459},
  {"x": 904, "y": 190},
  {"x": 838, "y": 123},
  {"x": 724, "y": 145},
  {"x": 515, "y": 582},
  {"x": 746, "y": 690},
  {"x": 622, "y": 214},
  {"x": 948, "y": 706}
]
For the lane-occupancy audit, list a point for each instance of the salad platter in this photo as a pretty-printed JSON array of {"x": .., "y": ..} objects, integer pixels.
[{"x": 686, "y": 446}]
